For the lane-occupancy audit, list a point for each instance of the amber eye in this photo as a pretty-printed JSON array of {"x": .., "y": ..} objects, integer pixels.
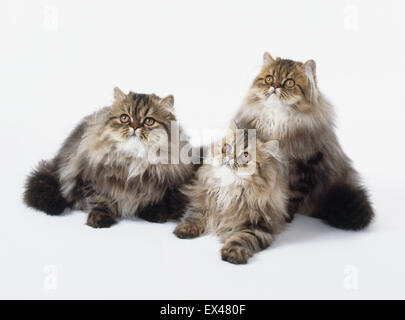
[
  {"x": 124, "y": 118},
  {"x": 289, "y": 83},
  {"x": 226, "y": 148},
  {"x": 149, "y": 121},
  {"x": 269, "y": 79},
  {"x": 245, "y": 157}
]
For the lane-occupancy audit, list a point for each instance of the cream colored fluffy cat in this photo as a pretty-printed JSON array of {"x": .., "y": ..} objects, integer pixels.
[{"x": 229, "y": 196}]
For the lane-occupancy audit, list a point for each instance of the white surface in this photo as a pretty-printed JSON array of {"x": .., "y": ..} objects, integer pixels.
[{"x": 57, "y": 67}]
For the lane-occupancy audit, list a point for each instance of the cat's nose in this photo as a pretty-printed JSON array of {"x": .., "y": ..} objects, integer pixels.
[
  {"x": 277, "y": 85},
  {"x": 135, "y": 125}
]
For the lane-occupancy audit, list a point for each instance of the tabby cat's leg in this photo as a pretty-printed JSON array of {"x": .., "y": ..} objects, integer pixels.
[
  {"x": 176, "y": 203},
  {"x": 192, "y": 225},
  {"x": 170, "y": 207},
  {"x": 102, "y": 211},
  {"x": 302, "y": 181},
  {"x": 154, "y": 213},
  {"x": 241, "y": 245}
]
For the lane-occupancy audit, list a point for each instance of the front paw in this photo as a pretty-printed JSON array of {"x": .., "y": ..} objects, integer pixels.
[
  {"x": 235, "y": 254},
  {"x": 187, "y": 231},
  {"x": 100, "y": 219}
]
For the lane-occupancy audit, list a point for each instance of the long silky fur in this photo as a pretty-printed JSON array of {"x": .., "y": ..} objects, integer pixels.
[
  {"x": 42, "y": 190},
  {"x": 322, "y": 180},
  {"x": 96, "y": 169},
  {"x": 235, "y": 207}
]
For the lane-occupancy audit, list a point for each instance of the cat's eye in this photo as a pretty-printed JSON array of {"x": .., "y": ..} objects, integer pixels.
[
  {"x": 149, "y": 121},
  {"x": 269, "y": 79},
  {"x": 289, "y": 83},
  {"x": 245, "y": 157},
  {"x": 226, "y": 148},
  {"x": 124, "y": 118}
]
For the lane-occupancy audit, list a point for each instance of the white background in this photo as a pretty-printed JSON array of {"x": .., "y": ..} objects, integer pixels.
[{"x": 59, "y": 61}]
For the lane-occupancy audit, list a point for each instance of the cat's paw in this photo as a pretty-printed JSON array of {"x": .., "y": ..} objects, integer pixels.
[
  {"x": 235, "y": 254},
  {"x": 99, "y": 219},
  {"x": 186, "y": 231}
]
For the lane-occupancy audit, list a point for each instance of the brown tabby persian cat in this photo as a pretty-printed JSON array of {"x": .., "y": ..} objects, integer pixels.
[
  {"x": 107, "y": 168},
  {"x": 284, "y": 103},
  {"x": 230, "y": 196}
]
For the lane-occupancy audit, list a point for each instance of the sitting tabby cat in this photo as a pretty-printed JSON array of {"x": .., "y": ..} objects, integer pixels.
[
  {"x": 105, "y": 166},
  {"x": 230, "y": 196},
  {"x": 284, "y": 103}
]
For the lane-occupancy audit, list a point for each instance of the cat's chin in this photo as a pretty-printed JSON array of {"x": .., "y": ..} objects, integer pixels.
[
  {"x": 228, "y": 174},
  {"x": 137, "y": 139},
  {"x": 272, "y": 100},
  {"x": 275, "y": 101},
  {"x": 134, "y": 146}
]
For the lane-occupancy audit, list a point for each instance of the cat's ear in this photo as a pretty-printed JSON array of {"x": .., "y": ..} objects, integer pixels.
[
  {"x": 233, "y": 125},
  {"x": 310, "y": 68},
  {"x": 267, "y": 58},
  {"x": 118, "y": 94},
  {"x": 168, "y": 102}
]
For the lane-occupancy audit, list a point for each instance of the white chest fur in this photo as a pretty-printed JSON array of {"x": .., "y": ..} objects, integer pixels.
[
  {"x": 274, "y": 117},
  {"x": 139, "y": 153},
  {"x": 224, "y": 185},
  {"x": 225, "y": 176},
  {"x": 133, "y": 147}
]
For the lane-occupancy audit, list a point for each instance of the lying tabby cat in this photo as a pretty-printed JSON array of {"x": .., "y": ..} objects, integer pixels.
[{"x": 107, "y": 168}]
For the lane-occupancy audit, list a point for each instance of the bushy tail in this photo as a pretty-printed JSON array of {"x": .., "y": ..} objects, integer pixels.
[
  {"x": 346, "y": 207},
  {"x": 42, "y": 190}
]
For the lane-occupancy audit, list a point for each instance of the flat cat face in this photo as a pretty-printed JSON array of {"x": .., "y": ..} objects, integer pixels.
[
  {"x": 241, "y": 154},
  {"x": 140, "y": 118},
  {"x": 285, "y": 82},
  {"x": 234, "y": 151}
]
